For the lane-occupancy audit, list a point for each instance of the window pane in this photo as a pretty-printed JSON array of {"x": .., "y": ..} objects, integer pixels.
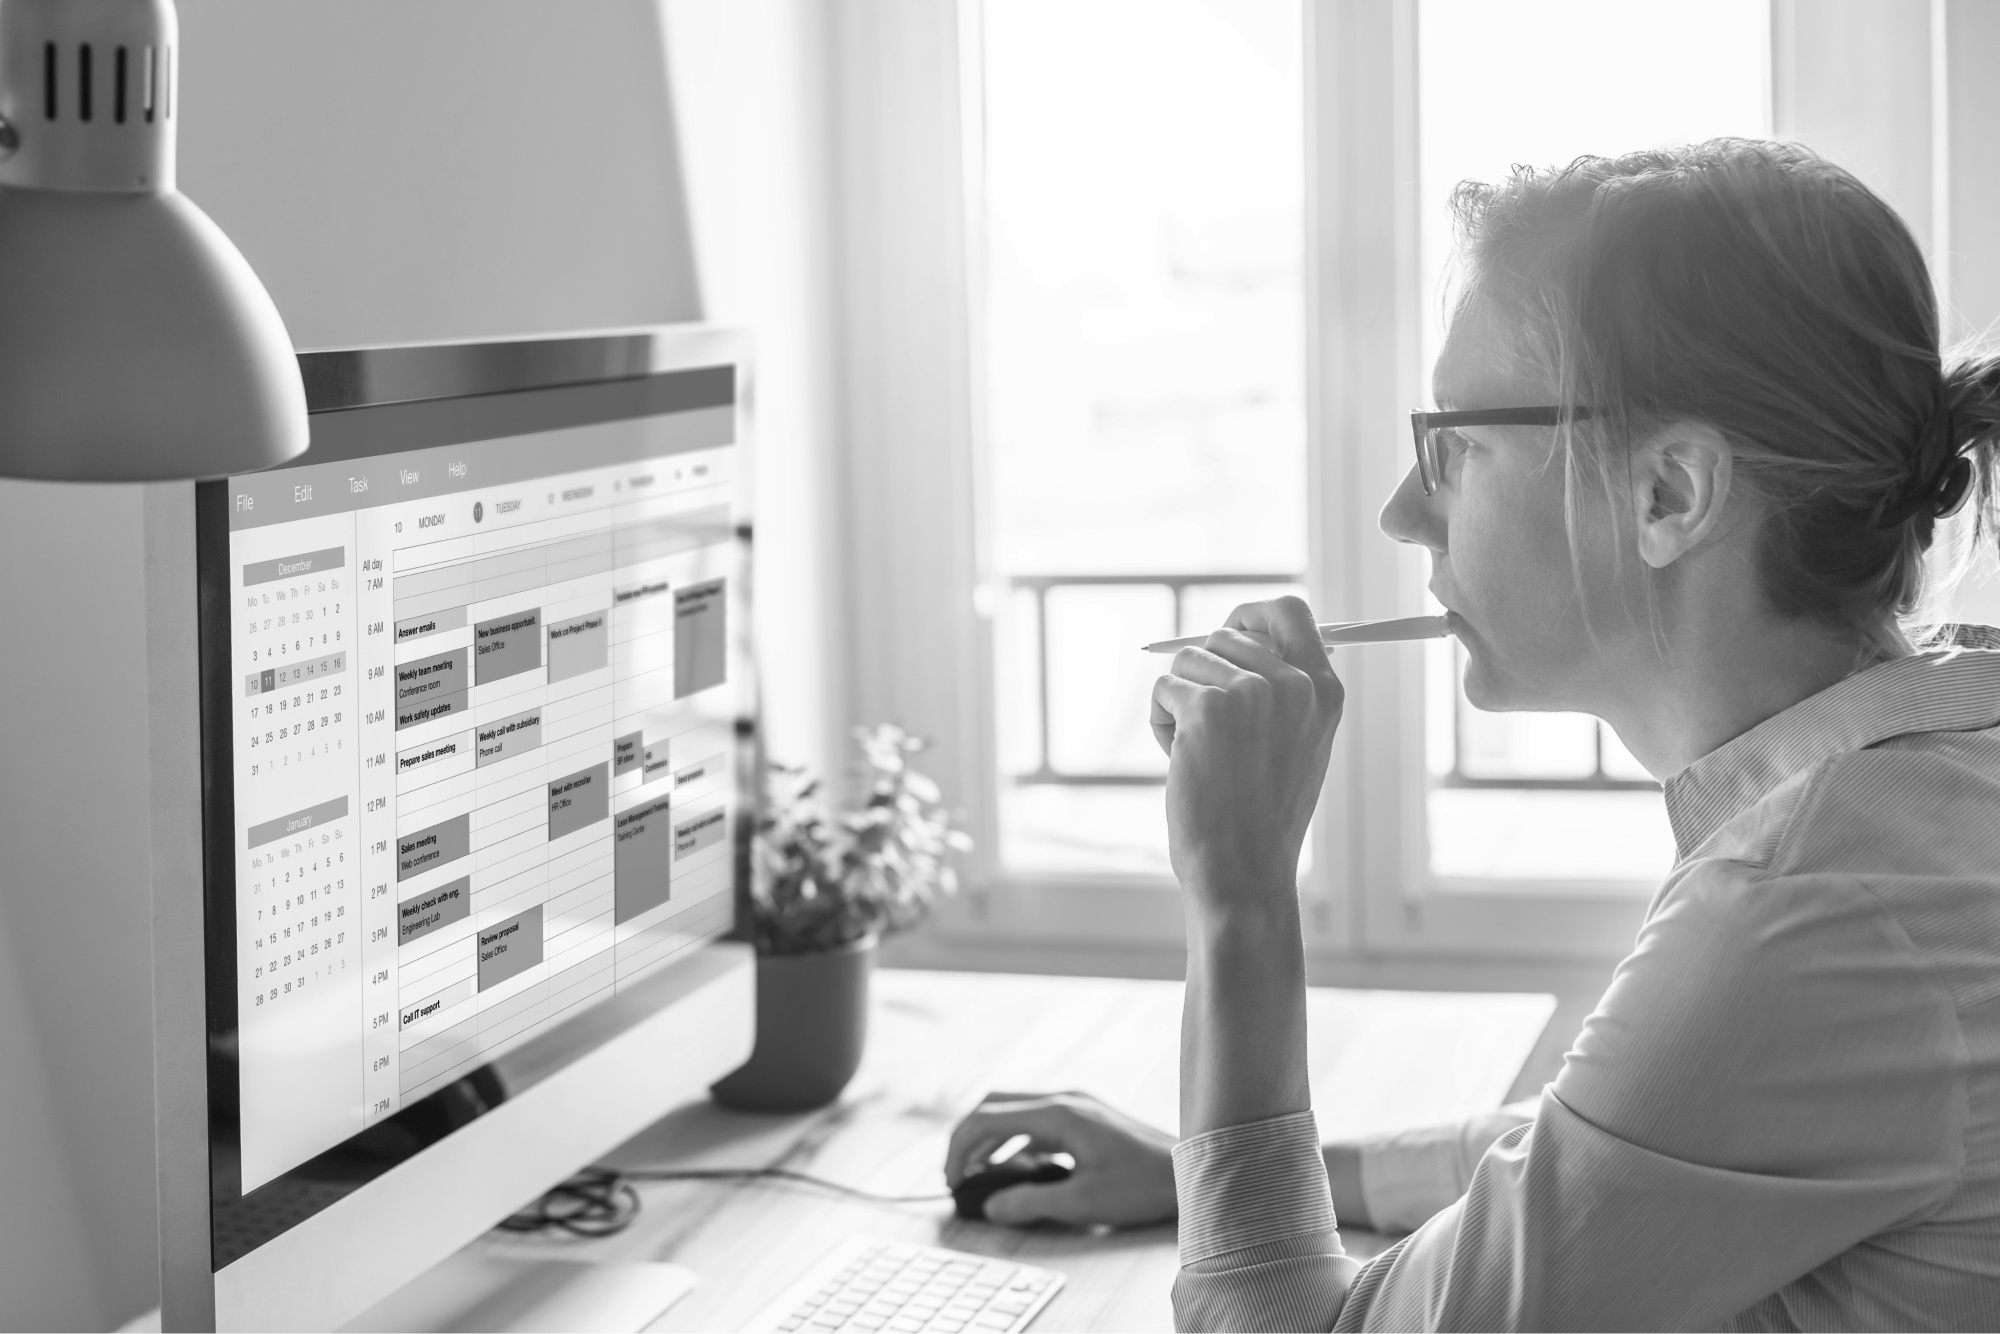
[
  {"x": 1620, "y": 762},
  {"x": 1100, "y": 685},
  {"x": 1086, "y": 830},
  {"x": 1143, "y": 372},
  {"x": 1205, "y": 607},
  {"x": 1526, "y": 745},
  {"x": 1017, "y": 682},
  {"x": 1505, "y": 836},
  {"x": 1544, "y": 82}
]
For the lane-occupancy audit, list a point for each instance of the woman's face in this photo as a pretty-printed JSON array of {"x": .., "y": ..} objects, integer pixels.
[{"x": 1500, "y": 549}]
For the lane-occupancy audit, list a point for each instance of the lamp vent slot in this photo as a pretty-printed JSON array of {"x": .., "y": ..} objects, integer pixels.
[
  {"x": 148, "y": 82},
  {"x": 118, "y": 91},
  {"x": 83, "y": 81},
  {"x": 48, "y": 80}
]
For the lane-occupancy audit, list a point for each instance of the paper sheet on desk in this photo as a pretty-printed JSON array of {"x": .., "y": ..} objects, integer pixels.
[{"x": 1384, "y": 1061}]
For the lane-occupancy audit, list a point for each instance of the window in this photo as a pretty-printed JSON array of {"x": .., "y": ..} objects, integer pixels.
[
  {"x": 1142, "y": 206},
  {"x": 1201, "y": 265}
]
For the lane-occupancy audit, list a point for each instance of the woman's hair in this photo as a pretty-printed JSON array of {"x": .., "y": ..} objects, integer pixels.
[{"x": 1767, "y": 292}]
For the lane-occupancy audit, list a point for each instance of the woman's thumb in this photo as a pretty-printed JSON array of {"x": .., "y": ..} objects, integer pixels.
[{"x": 1055, "y": 1201}]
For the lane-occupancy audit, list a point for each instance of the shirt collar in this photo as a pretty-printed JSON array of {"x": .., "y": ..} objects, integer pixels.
[{"x": 1947, "y": 690}]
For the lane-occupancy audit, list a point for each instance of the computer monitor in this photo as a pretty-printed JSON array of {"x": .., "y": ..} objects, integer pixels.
[{"x": 448, "y": 731}]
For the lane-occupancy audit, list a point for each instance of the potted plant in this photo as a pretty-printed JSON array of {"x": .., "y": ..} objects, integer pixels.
[{"x": 824, "y": 891}]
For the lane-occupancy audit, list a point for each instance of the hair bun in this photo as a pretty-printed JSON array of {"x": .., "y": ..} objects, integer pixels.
[{"x": 1956, "y": 486}]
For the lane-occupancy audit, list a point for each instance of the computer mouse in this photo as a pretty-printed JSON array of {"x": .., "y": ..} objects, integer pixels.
[{"x": 971, "y": 1193}]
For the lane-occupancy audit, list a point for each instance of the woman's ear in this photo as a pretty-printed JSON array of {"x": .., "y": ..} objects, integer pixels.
[{"x": 1680, "y": 483}]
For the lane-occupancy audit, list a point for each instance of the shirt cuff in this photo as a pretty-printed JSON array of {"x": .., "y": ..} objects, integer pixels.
[
  {"x": 1251, "y": 1185},
  {"x": 1408, "y": 1177}
]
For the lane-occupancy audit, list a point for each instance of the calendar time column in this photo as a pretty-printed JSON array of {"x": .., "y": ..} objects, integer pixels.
[{"x": 376, "y": 651}]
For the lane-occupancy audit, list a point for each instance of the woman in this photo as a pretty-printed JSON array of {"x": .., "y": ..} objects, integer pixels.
[{"x": 1785, "y": 1111}]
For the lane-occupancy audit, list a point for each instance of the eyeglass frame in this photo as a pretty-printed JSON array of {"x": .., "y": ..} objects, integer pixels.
[{"x": 1423, "y": 423}]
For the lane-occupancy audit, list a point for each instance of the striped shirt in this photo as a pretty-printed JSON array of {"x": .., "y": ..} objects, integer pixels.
[{"x": 1783, "y": 1114}]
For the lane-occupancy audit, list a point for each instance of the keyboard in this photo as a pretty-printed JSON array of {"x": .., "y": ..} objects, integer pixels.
[{"x": 873, "y": 1284}]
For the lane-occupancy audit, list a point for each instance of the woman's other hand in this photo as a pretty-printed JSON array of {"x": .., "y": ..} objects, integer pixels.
[
  {"x": 1247, "y": 722},
  {"x": 1124, "y": 1174}
]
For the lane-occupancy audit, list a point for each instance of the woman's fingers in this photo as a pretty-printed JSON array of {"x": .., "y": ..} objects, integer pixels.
[
  {"x": 1208, "y": 666},
  {"x": 1065, "y": 1201},
  {"x": 1048, "y": 1122},
  {"x": 1123, "y": 1172},
  {"x": 1175, "y": 698},
  {"x": 1246, "y": 651},
  {"x": 1287, "y": 623}
]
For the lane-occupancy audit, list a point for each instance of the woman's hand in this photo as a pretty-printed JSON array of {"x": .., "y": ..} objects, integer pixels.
[
  {"x": 1124, "y": 1173},
  {"x": 1247, "y": 722}
]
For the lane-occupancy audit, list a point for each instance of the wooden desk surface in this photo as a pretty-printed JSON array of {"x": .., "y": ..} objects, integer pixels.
[{"x": 938, "y": 1042}]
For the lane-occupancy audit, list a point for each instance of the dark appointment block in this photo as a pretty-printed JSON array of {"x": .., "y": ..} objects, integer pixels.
[
  {"x": 643, "y": 860},
  {"x": 701, "y": 643}
]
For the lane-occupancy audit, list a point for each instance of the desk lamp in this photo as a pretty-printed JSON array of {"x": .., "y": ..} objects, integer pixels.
[{"x": 136, "y": 344}]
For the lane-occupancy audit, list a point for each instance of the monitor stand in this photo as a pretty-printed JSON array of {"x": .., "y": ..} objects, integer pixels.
[{"x": 480, "y": 1289}]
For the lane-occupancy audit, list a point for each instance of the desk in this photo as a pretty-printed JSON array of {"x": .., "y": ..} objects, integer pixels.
[{"x": 939, "y": 1041}]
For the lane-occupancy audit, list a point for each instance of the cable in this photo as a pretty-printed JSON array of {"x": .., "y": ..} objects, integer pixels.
[
  {"x": 596, "y": 1202},
  {"x": 600, "y": 1201},
  {"x": 777, "y": 1174}
]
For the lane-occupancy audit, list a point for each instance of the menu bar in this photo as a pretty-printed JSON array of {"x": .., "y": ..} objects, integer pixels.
[{"x": 259, "y": 499}]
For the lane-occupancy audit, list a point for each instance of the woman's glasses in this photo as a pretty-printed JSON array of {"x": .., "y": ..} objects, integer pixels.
[{"x": 1433, "y": 431}]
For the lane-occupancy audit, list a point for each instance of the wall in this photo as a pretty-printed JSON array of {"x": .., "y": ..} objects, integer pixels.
[
  {"x": 74, "y": 898},
  {"x": 460, "y": 169},
  {"x": 46, "y": 1273}
]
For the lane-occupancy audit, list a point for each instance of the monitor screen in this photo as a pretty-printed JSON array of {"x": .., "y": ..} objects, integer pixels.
[{"x": 477, "y": 769}]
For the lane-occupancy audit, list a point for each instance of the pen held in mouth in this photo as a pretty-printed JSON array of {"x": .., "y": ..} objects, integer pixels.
[{"x": 1337, "y": 633}]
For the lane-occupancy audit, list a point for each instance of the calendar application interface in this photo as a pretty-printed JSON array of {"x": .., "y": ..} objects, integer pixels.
[{"x": 483, "y": 755}]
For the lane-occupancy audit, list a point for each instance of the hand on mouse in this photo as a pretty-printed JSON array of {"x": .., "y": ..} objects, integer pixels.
[{"x": 1124, "y": 1173}]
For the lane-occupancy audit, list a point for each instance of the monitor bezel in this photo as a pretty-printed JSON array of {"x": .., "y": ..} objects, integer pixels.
[{"x": 366, "y": 402}]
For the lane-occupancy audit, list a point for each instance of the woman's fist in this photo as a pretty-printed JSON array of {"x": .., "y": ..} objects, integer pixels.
[{"x": 1247, "y": 722}]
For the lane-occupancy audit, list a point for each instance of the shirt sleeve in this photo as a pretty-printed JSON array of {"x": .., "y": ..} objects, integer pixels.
[
  {"x": 1408, "y": 1177},
  {"x": 1772, "y": 1078},
  {"x": 1257, "y": 1240}
]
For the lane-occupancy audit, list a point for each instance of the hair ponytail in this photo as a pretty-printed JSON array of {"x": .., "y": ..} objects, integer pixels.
[{"x": 1972, "y": 400}]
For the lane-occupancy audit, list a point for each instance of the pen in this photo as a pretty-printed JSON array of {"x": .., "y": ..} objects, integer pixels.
[{"x": 1335, "y": 633}]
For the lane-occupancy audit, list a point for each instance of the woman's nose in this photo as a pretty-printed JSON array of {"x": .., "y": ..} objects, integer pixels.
[{"x": 1412, "y": 516}]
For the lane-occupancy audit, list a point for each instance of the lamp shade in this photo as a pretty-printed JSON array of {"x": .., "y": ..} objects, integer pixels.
[{"x": 136, "y": 344}]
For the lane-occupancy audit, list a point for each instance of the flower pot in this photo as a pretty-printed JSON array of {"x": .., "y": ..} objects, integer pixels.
[{"x": 812, "y": 1023}]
